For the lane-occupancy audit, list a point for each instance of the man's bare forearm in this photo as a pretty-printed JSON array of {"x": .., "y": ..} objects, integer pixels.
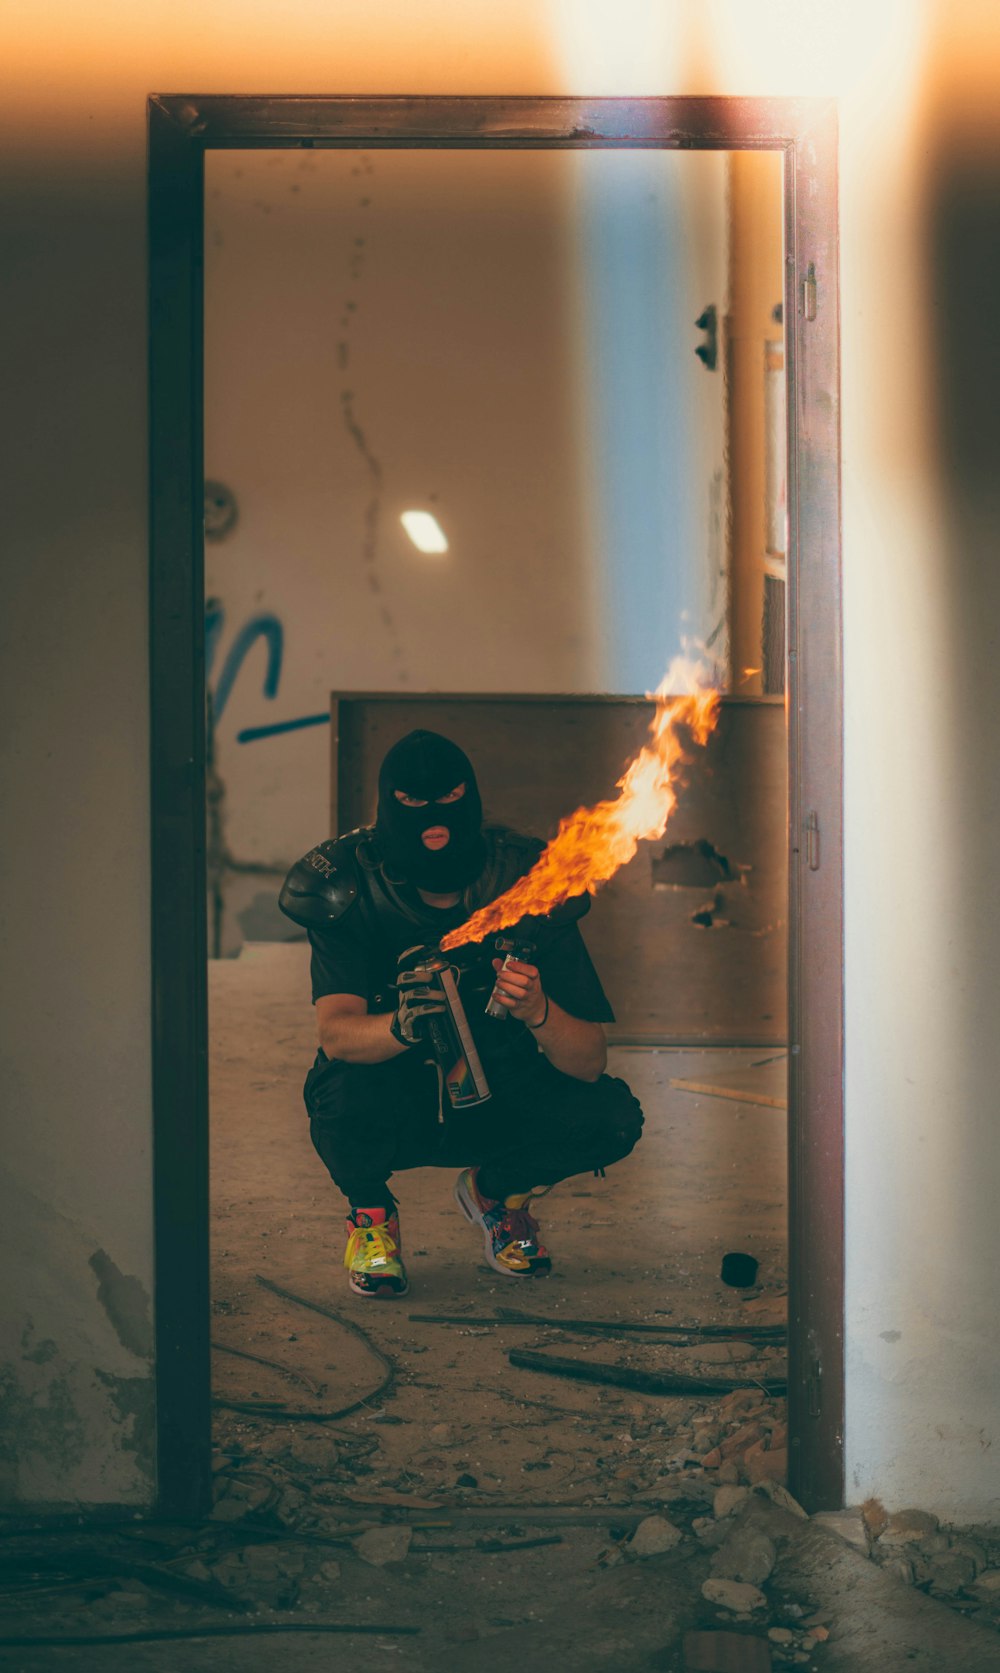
[
  {"x": 574, "y": 1047},
  {"x": 360, "y": 1039}
]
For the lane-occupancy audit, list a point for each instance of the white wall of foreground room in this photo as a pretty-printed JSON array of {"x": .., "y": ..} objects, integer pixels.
[{"x": 923, "y": 1054}]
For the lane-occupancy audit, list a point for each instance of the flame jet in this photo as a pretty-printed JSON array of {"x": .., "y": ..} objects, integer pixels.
[{"x": 595, "y": 842}]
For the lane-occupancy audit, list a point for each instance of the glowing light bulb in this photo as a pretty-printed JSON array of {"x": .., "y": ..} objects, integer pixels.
[{"x": 425, "y": 531}]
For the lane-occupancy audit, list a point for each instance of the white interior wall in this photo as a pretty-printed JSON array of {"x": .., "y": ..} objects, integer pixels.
[{"x": 923, "y": 1051}]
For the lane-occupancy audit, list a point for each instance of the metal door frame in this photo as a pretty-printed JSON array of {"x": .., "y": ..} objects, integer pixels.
[{"x": 181, "y": 129}]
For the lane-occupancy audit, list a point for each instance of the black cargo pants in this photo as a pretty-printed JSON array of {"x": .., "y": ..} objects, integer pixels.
[{"x": 369, "y": 1121}]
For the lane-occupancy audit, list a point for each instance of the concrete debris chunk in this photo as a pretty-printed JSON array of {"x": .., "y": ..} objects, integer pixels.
[
  {"x": 316, "y": 1452},
  {"x": 987, "y": 1585},
  {"x": 900, "y": 1569},
  {"x": 379, "y": 1546},
  {"x": 653, "y": 1536},
  {"x": 747, "y": 1554},
  {"x": 290, "y": 1506},
  {"x": 780, "y": 1496},
  {"x": 971, "y": 1548},
  {"x": 735, "y": 1595},
  {"x": 683, "y": 1459},
  {"x": 229, "y": 1509},
  {"x": 848, "y": 1525},
  {"x": 741, "y": 1400},
  {"x": 726, "y": 1499},
  {"x": 704, "y": 1442},
  {"x": 950, "y": 1572},
  {"x": 251, "y": 1490},
  {"x": 718, "y": 1353},
  {"x": 744, "y": 1437},
  {"x": 769, "y": 1465},
  {"x": 907, "y": 1527}
]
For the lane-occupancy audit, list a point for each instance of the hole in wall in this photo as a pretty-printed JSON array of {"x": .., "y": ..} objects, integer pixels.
[
  {"x": 707, "y": 916},
  {"x": 692, "y": 865}
]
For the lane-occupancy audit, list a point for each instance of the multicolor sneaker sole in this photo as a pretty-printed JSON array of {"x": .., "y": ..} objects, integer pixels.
[{"x": 511, "y": 1237}]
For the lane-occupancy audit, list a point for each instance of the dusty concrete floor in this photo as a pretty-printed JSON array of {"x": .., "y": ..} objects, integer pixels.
[
  {"x": 645, "y": 1245},
  {"x": 506, "y": 1500}
]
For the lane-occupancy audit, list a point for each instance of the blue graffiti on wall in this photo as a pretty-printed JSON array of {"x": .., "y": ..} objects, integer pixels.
[
  {"x": 268, "y": 628},
  {"x": 250, "y": 733}
]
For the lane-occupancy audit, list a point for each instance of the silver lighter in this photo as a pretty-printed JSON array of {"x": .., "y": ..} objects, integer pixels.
[{"x": 510, "y": 947}]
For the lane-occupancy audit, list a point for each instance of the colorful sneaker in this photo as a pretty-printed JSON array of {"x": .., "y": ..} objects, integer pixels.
[
  {"x": 373, "y": 1255},
  {"x": 511, "y": 1235}
]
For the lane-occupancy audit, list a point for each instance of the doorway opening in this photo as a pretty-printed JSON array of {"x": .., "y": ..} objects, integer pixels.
[{"x": 573, "y": 572}]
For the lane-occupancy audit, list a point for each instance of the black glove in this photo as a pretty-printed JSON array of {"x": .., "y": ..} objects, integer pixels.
[{"x": 417, "y": 1001}]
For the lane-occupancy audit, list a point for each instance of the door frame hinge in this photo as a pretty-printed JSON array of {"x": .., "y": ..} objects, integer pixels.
[{"x": 812, "y": 840}]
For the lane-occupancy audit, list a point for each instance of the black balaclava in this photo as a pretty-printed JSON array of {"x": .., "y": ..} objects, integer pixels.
[{"x": 425, "y": 765}]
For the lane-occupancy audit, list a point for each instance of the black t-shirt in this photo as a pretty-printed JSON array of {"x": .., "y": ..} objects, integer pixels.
[{"x": 357, "y": 957}]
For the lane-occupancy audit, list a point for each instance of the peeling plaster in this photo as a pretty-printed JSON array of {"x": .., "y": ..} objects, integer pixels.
[
  {"x": 133, "y": 1399},
  {"x": 66, "y": 1437},
  {"x": 46, "y": 1423},
  {"x": 126, "y": 1303},
  {"x": 41, "y": 1353}
]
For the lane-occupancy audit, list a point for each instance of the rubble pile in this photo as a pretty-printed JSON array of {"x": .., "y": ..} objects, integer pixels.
[
  {"x": 958, "y": 1566},
  {"x": 742, "y": 1437},
  {"x": 417, "y": 1517}
]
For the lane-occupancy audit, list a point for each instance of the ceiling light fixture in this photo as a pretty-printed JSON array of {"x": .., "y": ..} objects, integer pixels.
[{"x": 425, "y": 531}]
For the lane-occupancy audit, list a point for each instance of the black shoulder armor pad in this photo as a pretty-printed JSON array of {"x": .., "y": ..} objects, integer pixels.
[
  {"x": 513, "y": 852},
  {"x": 577, "y": 906},
  {"x": 323, "y": 885}
]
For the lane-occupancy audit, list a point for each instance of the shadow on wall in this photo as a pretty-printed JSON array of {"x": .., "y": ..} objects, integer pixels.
[{"x": 962, "y": 230}]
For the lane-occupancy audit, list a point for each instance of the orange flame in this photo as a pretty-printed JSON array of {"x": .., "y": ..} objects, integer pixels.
[{"x": 594, "y": 842}]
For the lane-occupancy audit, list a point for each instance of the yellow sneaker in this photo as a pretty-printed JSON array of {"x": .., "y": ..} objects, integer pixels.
[{"x": 373, "y": 1256}]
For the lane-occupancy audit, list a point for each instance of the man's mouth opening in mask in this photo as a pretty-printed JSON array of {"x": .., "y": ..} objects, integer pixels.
[
  {"x": 429, "y": 822},
  {"x": 437, "y": 837}
]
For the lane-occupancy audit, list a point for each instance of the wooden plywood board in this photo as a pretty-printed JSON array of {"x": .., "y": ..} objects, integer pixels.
[{"x": 537, "y": 758}]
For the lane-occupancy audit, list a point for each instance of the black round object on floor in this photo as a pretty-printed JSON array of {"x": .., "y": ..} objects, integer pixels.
[{"x": 739, "y": 1271}]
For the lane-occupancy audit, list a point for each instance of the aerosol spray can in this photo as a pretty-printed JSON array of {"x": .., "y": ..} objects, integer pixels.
[
  {"x": 451, "y": 1037},
  {"x": 509, "y": 947}
]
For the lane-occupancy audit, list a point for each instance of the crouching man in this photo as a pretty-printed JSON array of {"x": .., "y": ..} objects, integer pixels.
[{"x": 374, "y": 1094}]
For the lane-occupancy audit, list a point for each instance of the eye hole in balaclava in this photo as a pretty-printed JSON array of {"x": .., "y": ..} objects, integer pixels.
[{"x": 427, "y": 768}]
